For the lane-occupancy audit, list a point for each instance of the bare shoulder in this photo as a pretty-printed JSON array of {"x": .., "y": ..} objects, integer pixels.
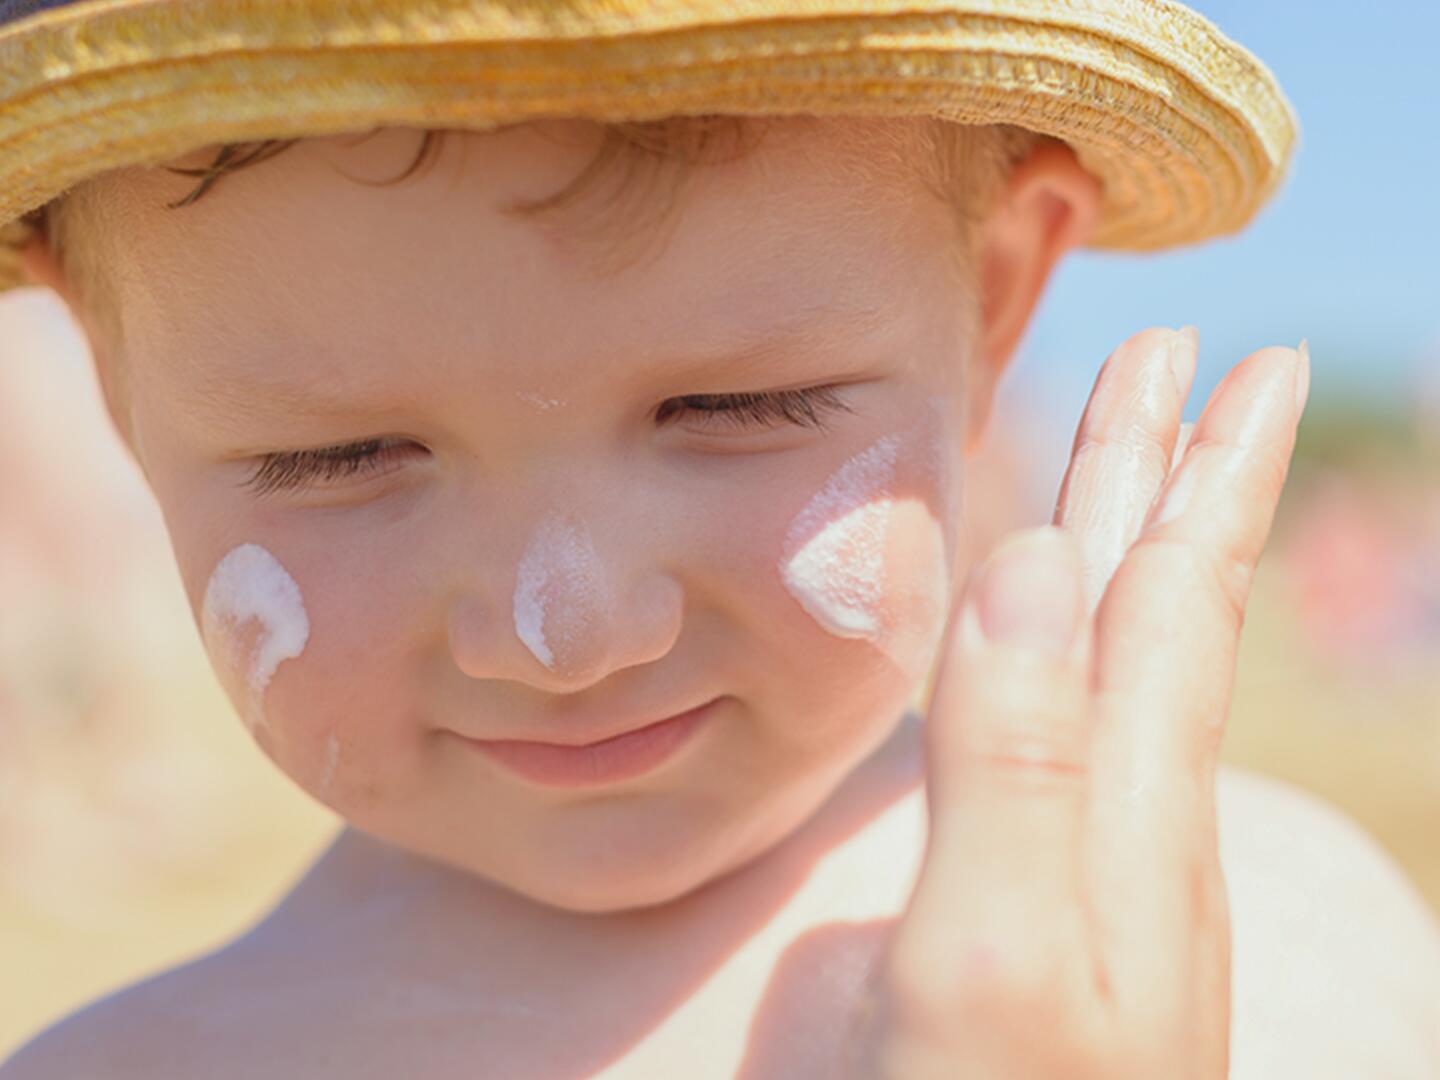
[
  {"x": 259, "y": 1006},
  {"x": 134, "y": 1031},
  {"x": 1335, "y": 954}
]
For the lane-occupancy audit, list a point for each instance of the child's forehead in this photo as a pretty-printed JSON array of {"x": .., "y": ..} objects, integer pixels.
[
  {"x": 529, "y": 170},
  {"x": 303, "y": 249},
  {"x": 254, "y": 393}
]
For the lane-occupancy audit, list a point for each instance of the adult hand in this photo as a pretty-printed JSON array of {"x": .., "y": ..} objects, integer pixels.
[{"x": 1070, "y": 916}]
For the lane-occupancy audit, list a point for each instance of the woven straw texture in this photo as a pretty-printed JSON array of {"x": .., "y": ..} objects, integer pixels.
[{"x": 1189, "y": 133}]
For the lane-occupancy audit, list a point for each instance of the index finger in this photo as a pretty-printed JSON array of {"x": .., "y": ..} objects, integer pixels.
[{"x": 1123, "y": 446}]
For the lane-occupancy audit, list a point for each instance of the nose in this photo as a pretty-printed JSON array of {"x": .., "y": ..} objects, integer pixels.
[{"x": 566, "y": 613}]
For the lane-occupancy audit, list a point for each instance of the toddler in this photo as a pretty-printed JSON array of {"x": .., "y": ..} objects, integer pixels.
[{"x": 573, "y": 504}]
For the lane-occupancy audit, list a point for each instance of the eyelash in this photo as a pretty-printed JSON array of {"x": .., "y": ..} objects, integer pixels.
[{"x": 806, "y": 408}]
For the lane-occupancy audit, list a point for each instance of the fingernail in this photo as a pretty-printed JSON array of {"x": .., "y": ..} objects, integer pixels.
[
  {"x": 1302, "y": 376},
  {"x": 1184, "y": 353},
  {"x": 1028, "y": 592}
]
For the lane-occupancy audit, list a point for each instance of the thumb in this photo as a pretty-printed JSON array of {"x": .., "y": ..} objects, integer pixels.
[
  {"x": 1007, "y": 752},
  {"x": 1011, "y": 687}
]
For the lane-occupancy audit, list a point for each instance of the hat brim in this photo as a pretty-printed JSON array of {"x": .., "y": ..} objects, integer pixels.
[{"x": 1187, "y": 131}]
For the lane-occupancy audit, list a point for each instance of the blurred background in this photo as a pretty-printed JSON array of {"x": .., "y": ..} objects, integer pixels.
[{"x": 139, "y": 826}]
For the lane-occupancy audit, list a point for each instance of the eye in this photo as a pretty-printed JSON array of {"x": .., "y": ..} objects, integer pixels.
[
  {"x": 806, "y": 408},
  {"x": 299, "y": 468}
]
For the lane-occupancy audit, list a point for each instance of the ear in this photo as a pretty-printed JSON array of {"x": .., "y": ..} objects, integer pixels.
[
  {"x": 1048, "y": 206},
  {"x": 41, "y": 266}
]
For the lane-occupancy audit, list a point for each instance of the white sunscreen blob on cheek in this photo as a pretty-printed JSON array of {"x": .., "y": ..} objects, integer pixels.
[
  {"x": 834, "y": 557},
  {"x": 250, "y": 584},
  {"x": 868, "y": 563},
  {"x": 559, "y": 589}
]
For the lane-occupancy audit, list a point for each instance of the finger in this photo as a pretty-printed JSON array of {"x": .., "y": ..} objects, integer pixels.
[
  {"x": 1123, "y": 447},
  {"x": 1203, "y": 539},
  {"x": 1182, "y": 443},
  {"x": 1166, "y": 638},
  {"x": 1006, "y": 744}
]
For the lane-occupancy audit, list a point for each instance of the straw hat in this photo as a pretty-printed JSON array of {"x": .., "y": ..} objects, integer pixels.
[{"x": 1189, "y": 133}]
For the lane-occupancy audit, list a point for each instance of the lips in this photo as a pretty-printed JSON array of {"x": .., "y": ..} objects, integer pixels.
[
  {"x": 609, "y": 760},
  {"x": 581, "y": 734}
]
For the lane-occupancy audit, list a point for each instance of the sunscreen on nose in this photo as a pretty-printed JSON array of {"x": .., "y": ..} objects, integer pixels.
[
  {"x": 249, "y": 585},
  {"x": 560, "y": 589}
]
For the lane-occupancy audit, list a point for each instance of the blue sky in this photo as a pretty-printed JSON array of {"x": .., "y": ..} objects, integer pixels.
[{"x": 1346, "y": 255}]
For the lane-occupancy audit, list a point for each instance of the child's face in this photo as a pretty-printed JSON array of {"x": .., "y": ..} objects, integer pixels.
[{"x": 551, "y": 541}]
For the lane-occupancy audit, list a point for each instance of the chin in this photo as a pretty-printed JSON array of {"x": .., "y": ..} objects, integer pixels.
[
  {"x": 601, "y": 878},
  {"x": 622, "y": 896},
  {"x": 571, "y": 889}
]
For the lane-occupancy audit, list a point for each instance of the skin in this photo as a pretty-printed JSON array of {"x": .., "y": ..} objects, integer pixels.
[
  {"x": 237, "y": 345},
  {"x": 1074, "y": 868},
  {"x": 1072, "y": 770},
  {"x": 462, "y": 884}
]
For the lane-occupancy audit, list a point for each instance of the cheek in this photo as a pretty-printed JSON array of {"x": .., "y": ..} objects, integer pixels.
[
  {"x": 253, "y": 619},
  {"x": 261, "y": 610},
  {"x": 867, "y": 556},
  {"x": 257, "y": 630},
  {"x": 914, "y": 586}
]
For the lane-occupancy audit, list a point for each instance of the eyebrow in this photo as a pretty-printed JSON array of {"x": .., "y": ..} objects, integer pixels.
[{"x": 806, "y": 330}]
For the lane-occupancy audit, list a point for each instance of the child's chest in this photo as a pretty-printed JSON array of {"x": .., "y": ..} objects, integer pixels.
[
  {"x": 774, "y": 1000},
  {"x": 781, "y": 1005}
]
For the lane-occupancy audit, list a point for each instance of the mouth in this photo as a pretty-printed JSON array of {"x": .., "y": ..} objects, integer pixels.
[{"x": 607, "y": 760}]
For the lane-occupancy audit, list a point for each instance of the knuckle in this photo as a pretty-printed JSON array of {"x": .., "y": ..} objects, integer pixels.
[
  {"x": 1255, "y": 477},
  {"x": 1198, "y": 570},
  {"x": 1031, "y": 742},
  {"x": 1126, "y": 442},
  {"x": 1261, "y": 473},
  {"x": 1031, "y": 760}
]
